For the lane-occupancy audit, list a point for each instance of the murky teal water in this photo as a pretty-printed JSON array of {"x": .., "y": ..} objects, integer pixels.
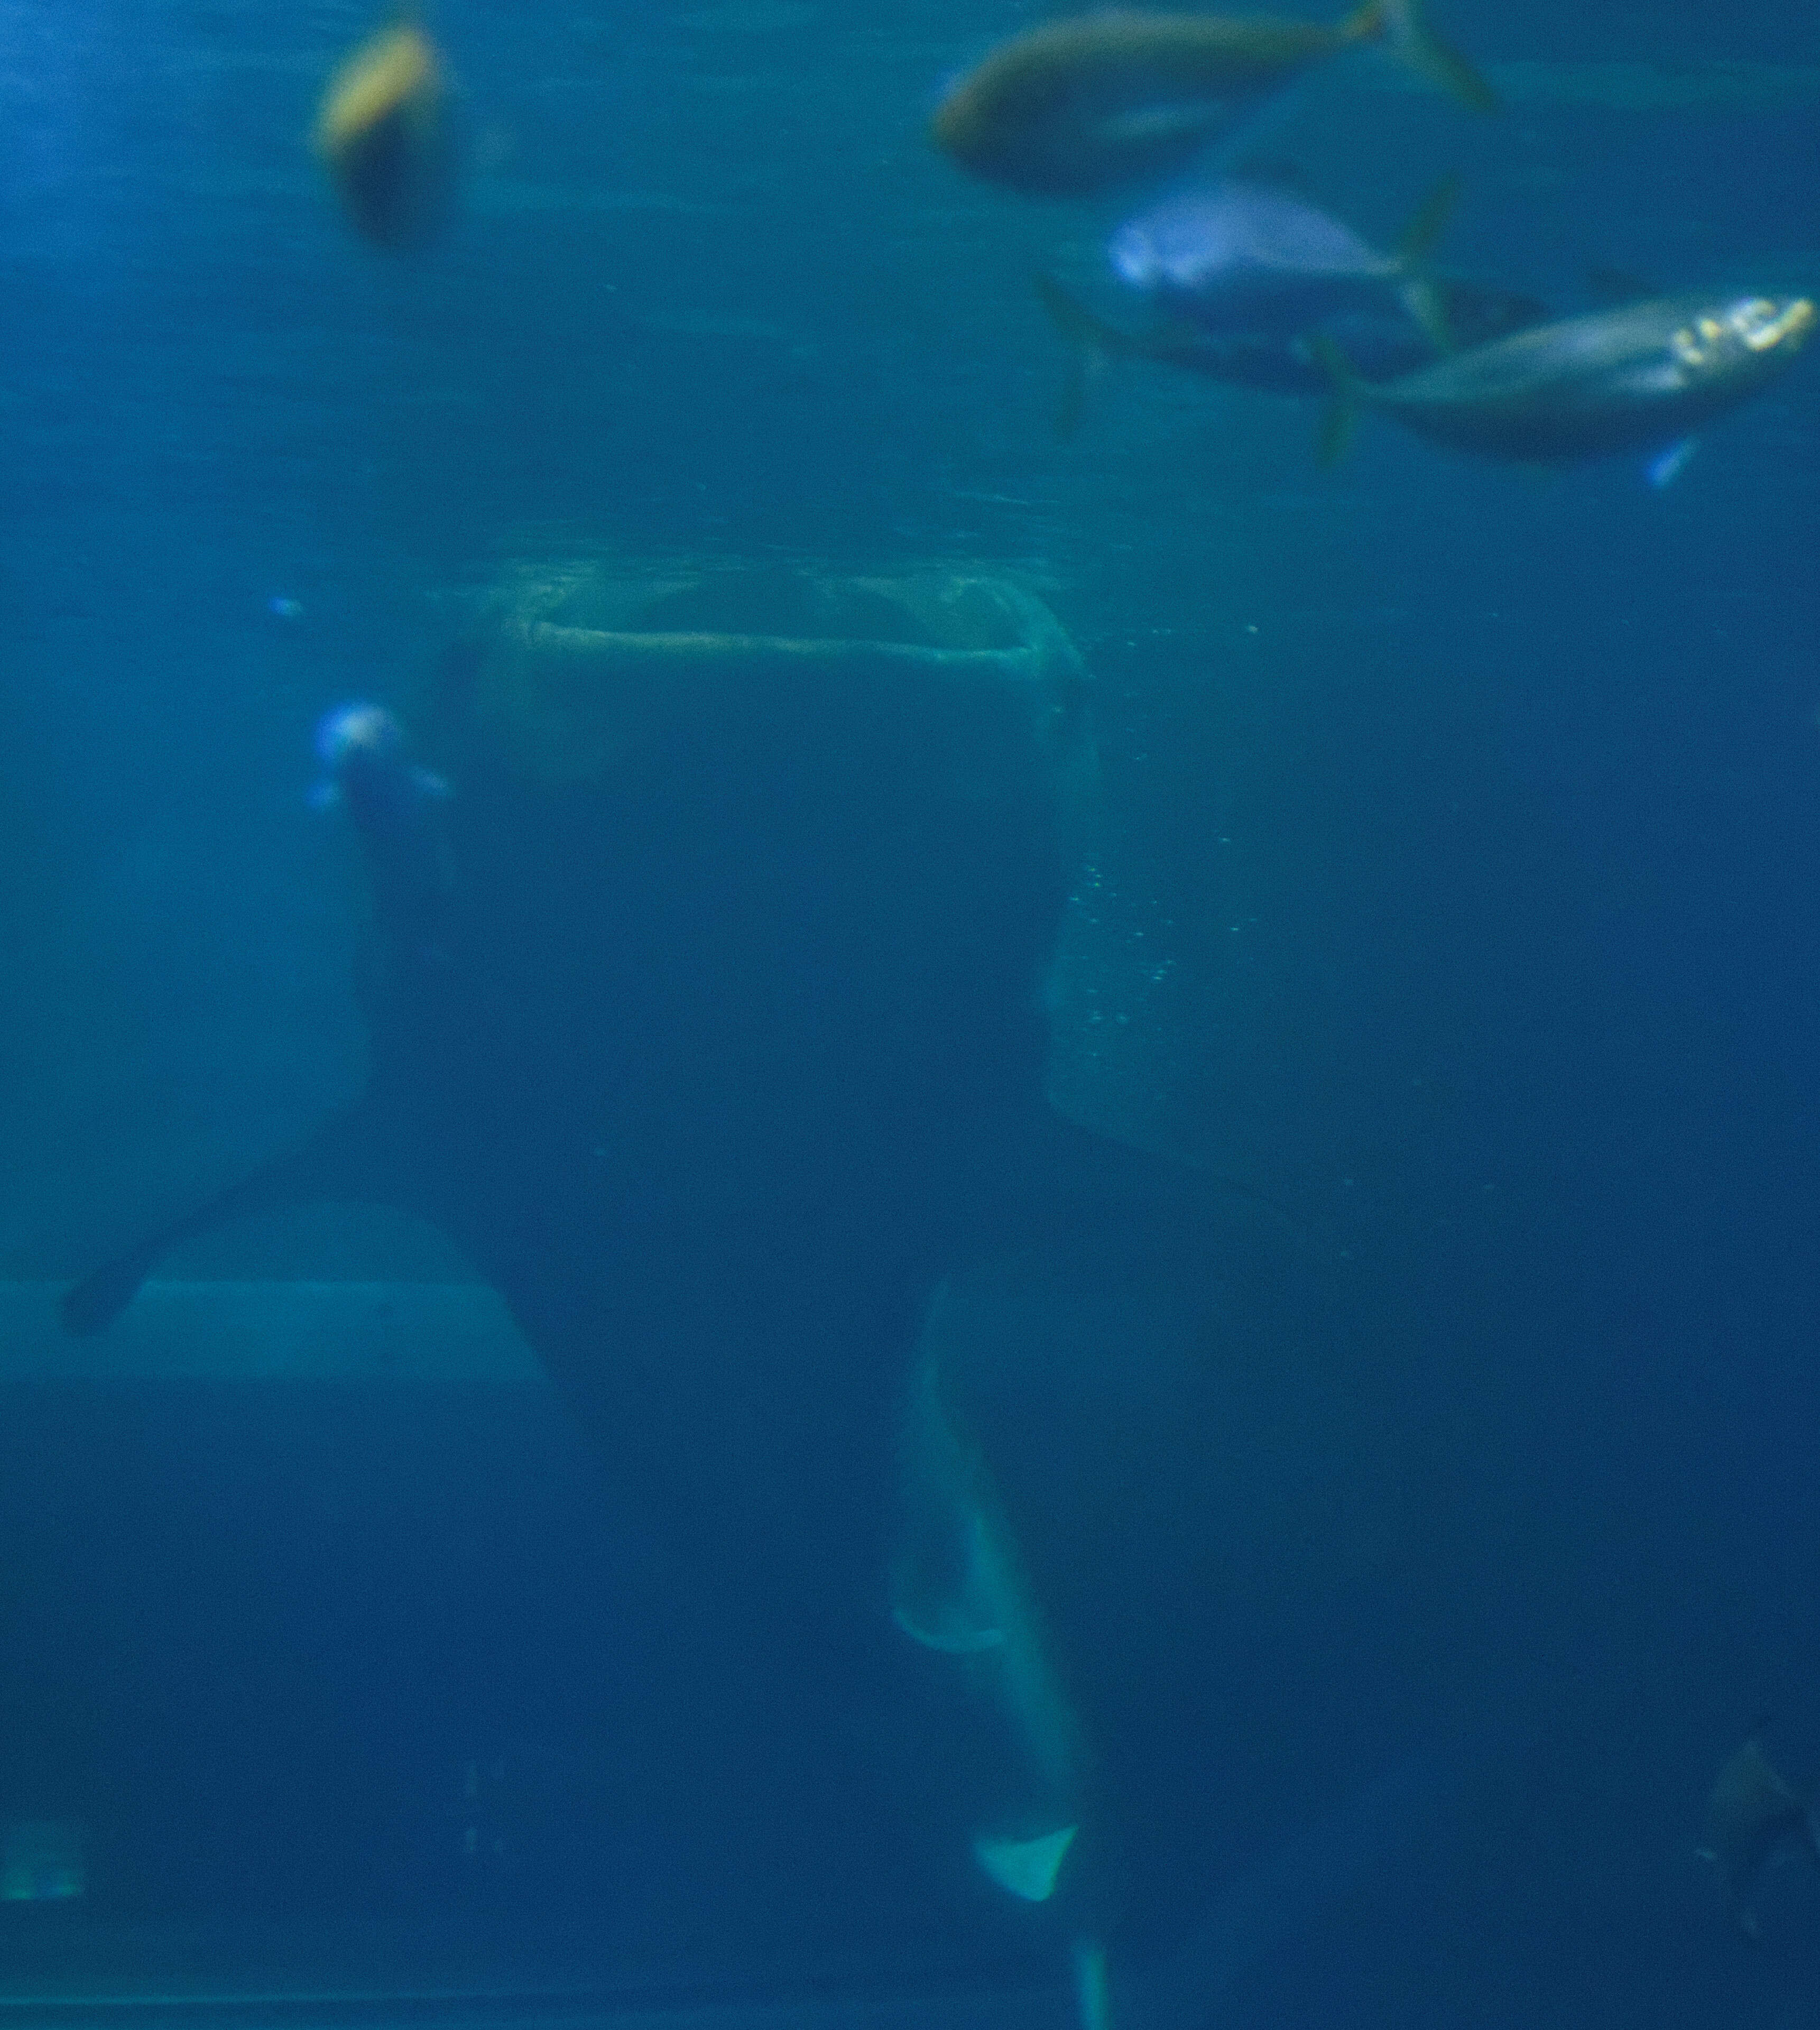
[{"x": 1451, "y": 886}]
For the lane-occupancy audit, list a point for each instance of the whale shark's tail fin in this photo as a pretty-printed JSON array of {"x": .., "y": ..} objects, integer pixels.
[
  {"x": 340, "y": 1161},
  {"x": 1026, "y": 1868}
]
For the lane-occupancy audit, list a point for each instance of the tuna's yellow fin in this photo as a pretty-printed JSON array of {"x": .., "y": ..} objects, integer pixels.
[
  {"x": 1426, "y": 54},
  {"x": 1366, "y": 23}
]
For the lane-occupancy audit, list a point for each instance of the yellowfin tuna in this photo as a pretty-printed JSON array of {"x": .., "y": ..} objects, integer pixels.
[
  {"x": 384, "y": 131},
  {"x": 1639, "y": 378},
  {"x": 1085, "y": 105}
]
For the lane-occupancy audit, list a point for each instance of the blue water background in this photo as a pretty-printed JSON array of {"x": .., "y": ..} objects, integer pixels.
[{"x": 1460, "y": 889}]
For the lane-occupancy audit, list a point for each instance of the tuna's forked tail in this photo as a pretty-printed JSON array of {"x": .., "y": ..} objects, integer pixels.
[{"x": 1403, "y": 25}]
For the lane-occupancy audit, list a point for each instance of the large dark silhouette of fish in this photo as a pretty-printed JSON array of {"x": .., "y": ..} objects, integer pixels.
[{"x": 706, "y": 1017}]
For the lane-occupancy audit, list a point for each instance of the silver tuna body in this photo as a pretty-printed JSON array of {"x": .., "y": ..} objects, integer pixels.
[{"x": 1634, "y": 378}]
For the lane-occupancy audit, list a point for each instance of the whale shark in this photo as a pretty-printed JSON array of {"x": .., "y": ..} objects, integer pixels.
[{"x": 705, "y": 989}]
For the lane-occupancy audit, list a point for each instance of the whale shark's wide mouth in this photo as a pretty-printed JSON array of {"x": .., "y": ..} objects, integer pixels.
[{"x": 571, "y": 664}]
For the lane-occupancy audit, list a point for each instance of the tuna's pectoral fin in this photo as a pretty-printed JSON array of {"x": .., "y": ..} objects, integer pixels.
[
  {"x": 93, "y": 1304},
  {"x": 340, "y": 1161}
]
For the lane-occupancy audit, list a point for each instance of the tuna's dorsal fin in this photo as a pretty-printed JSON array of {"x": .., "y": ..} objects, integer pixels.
[{"x": 343, "y": 1158}]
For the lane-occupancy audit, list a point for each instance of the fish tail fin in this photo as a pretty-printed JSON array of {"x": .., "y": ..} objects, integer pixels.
[
  {"x": 330, "y": 1165},
  {"x": 1407, "y": 30},
  {"x": 1025, "y": 1867},
  {"x": 1369, "y": 23},
  {"x": 1092, "y": 344},
  {"x": 93, "y": 1304},
  {"x": 1339, "y": 420}
]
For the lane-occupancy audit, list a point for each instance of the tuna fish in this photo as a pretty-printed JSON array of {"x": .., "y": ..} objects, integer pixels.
[{"x": 1089, "y": 104}]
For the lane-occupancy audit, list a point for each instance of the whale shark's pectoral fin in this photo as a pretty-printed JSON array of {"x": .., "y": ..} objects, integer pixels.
[{"x": 343, "y": 1159}]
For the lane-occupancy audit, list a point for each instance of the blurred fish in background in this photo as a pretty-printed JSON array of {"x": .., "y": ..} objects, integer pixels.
[
  {"x": 1101, "y": 100},
  {"x": 1249, "y": 255},
  {"x": 386, "y": 133}
]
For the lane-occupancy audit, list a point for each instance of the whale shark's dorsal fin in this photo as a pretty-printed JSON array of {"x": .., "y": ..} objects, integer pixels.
[{"x": 1026, "y": 1867}]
